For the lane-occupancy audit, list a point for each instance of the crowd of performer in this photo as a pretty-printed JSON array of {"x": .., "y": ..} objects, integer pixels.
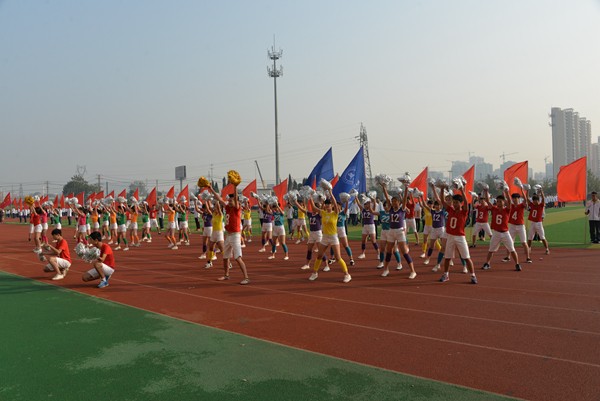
[{"x": 108, "y": 226}]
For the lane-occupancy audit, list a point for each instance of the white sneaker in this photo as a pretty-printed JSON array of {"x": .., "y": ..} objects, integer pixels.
[
  {"x": 187, "y": 243},
  {"x": 451, "y": 262},
  {"x": 110, "y": 242},
  {"x": 214, "y": 257},
  {"x": 125, "y": 249},
  {"x": 297, "y": 242},
  {"x": 305, "y": 267},
  {"x": 399, "y": 267},
  {"x": 347, "y": 278},
  {"x": 435, "y": 268},
  {"x": 380, "y": 265},
  {"x": 412, "y": 275},
  {"x": 243, "y": 246},
  {"x": 170, "y": 245},
  {"x": 423, "y": 255},
  {"x": 313, "y": 276},
  {"x": 286, "y": 258},
  {"x": 271, "y": 257},
  {"x": 208, "y": 265},
  {"x": 385, "y": 273},
  {"x": 465, "y": 270},
  {"x": 326, "y": 268},
  {"x": 118, "y": 248},
  {"x": 202, "y": 257},
  {"x": 175, "y": 247},
  {"x": 149, "y": 241},
  {"x": 426, "y": 261},
  {"x": 361, "y": 256},
  {"x": 58, "y": 277},
  {"x": 262, "y": 250}
]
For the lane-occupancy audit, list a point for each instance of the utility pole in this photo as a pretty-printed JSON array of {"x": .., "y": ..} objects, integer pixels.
[
  {"x": 364, "y": 142},
  {"x": 275, "y": 73},
  {"x": 99, "y": 184}
]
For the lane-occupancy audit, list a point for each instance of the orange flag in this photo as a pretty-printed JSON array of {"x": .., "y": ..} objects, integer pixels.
[
  {"x": 151, "y": 198},
  {"x": 421, "y": 181},
  {"x": 6, "y": 201},
  {"x": 227, "y": 190},
  {"x": 81, "y": 197},
  {"x": 335, "y": 180},
  {"x": 62, "y": 201},
  {"x": 55, "y": 203},
  {"x": 469, "y": 176},
  {"x": 571, "y": 181},
  {"x": 111, "y": 194},
  {"x": 184, "y": 192},
  {"x": 100, "y": 195},
  {"x": 520, "y": 170},
  {"x": 280, "y": 190},
  {"x": 92, "y": 197},
  {"x": 246, "y": 192},
  {"x": 123, "y": 193},
  {"x": 44, "y": 199},
  {"x": 171, "y": 193},
  {"x": 136, "y": 194}
]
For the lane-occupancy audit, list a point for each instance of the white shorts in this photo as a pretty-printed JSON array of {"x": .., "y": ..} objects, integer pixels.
[
  {"x": 410, "y": 224},
  {"x": 133, "y": 226},
  {"x": 458, "y": 242},
  {"x": 427, "y": 230},
  {"x": 501, "y": 238},
  {"x": 314, "y": 237},
  {"x": 536, "y": 227},
  {"x": 207, "y": 231},
  {"x": 299, "y": 223},
  {"x": 105, "y": 223},
  {"x": 146, "y": 225},
  {"x": 107, "y": 271},
  {"x": 153, "y": 223},
  {"x": 517, "y": 231},
  {"x": 113, "y": 226},
  {"x": 122, "y": 228},
  {"x": 385, "y": 234},
  {"x": 482, "y": 226},
  {"x": 183, "y": 225},
  {"x": 278, "y": 231},
  {"x": 368, "y": 229},
  {"x": 233, "y": 246},
  {"x": 217, "y": 236},
  {"x": 31, "y": 229},
  {"x": 96, "y": 226},
  {"x": 62, "y": 264},
  {"x": 437, "y": 233},
  {"x": 45, "y": 226},
  {"x": 38, "y": 228},
  {"x": 82, "y": 228},
  {"x": 172, "y": 225},
  {"x": 267, "y": 227},
  {"x": 247, "y": 223},
  {"x": 58, "y": 225},
  {"x": 341, "y": 231},
  {"x": 329, "y": 240},
  {"x": 88, "y": 228},
  {"x": 396, "y": 234}
]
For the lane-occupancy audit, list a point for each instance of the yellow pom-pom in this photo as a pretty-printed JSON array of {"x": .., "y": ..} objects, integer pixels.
[
  {"x": 29, "y": 200},
  {"x": 233, "y": 177},
  {"x": 203, "y": 182}
]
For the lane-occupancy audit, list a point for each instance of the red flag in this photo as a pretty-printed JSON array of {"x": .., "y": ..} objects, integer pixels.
[
  {"x": 171, "y": 193},
  {"x": 123, "y": 193},
  {"x": 6, "y": 201},
  {"x": 136, "y": 194},
  {"x": 20, "y": 204},
  {"x": 44, "y": 199},
  {"x": 313, "y": 184},
  {"x": 421, "y": 181},
  {"x": 100, "y": 195},
  {"x": 335, "y": 180},
  {"x": 92, "y": 197},
  {"x": 62, "y": 201},
  {"x": 469, "y": 176},
  {"x": 151, "y": 198},
  {"x": 55, "y": 203},
  {"x": 184, "y": 192},
  {"x": 519, "y": 170},
  {"x": 246, "y": 192},
  {"x": 80, "y": 197},
  {"x": 280, "y": 190},
  {"x": 571, "y": 181},
  {"x": 111, "y": 194},
  {"x": 227, "y": 189}
]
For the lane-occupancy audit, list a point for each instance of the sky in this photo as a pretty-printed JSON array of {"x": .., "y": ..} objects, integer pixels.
[{"x": 132, "y": 89}]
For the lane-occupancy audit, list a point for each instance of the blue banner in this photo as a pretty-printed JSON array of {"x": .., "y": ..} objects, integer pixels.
[
  {"x": 323, "y": 169},
  {"x": 353, "y": 177}
]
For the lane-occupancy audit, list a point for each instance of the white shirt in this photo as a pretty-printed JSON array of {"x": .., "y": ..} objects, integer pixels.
[{"x": 594, "y": 210}]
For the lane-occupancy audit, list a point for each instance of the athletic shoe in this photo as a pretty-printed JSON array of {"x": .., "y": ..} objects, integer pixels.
[
  {"x": 326, "y": 268},
  {"x": 170, "y": 245},
  {"x": 451, "y": 262},
  {"x": 245, "y": 281},
  {"x": 249, "y": 240},
  {"x": 473, "y": 280},
  {"x": 529, "y": 260},
  {"x": 223, "y": 278},
  {"x": 547, "y": 251},
  {"x": 380, "y": 265},
  {"x": 385, "y": 273},
  {"x": 331, "y": 261},
  {"x": 37, "y": 250},
  {"x": 125, "y": 249},
  {"x": 472, "y": 246},
  {"x": 202, "y": 256},
  {"x": 445, "y": 277},
  {"x": 243, "y": 246},
  {"x": 262, "y": 250},
  {"x": 347, "y": 278},
  {"x": 137, "y": 245},
  {"x": 426, "y": 261},
  {"x": 208, "y": 265},
  {"x": 58, "y": 277},
  {"x": 399, "y": 267},
  {"x": 271, "y": 257},
  {"x": 486, "y": 266},
  {"x": 423, "y": 255},
  {"x": 48, "y": 268},
  {"x": 351, "y": 262},
  {"x": 298, "y": 241},
  {"x": 313, "y": 276},
  {"x": 175, "y": 248},
  {"x": 465, "y": 270},
  {"x": 286, "y": 258},
  {"x": 361, "y": 256},
  {"x": 118, "y": 248},
  {"x": 305, "y": 267},
  {"x": 103, "y": 283},
  {"x": 518, "y": 267},
  {"x": 412, "y": 275},
  {"x": 214, "y": 257},
  {"x": 187, "y": 243},
  {"x": 149, "y": 241},
  {"x": 435, "y": 268},
  {"x": 110, "y": 242},
  {"x": 506, "y": 259}
]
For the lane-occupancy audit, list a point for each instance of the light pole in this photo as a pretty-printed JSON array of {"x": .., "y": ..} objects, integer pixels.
[{"x": 275, "y": 73}]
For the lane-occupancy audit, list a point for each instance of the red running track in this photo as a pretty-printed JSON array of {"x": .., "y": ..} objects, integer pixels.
[{"x": 533, "y": 334}]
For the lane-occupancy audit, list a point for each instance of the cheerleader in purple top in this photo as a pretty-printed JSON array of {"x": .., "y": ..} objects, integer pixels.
[
  {"x": 314, "y": 237},
  {"x": 367, "y": 213}
]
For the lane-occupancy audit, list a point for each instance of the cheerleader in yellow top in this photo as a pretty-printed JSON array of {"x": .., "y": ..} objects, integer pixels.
[
  {"x": 427, "y": 226},
  {"x": 329, "y": 217},
  {"x": 217, "y": 236},
  {"x": 247, "y": 222}
]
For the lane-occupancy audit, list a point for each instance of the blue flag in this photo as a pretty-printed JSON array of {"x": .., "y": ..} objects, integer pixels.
[
  {"x": 353, "y": 177},
  {"x": 323, "y": 169}
]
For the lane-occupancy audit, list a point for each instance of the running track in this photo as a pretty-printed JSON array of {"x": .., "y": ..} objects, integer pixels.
[{"x": 532, "y": 334}]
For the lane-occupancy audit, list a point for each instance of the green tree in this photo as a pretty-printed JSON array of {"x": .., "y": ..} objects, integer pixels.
[
  {"x": 593, "y": 182},
  {"x": 79, "y": 184}
]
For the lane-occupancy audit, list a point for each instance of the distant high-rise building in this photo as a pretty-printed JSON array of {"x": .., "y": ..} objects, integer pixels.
[
  {"x": 571, "y": 137},
  {"x": 549, "y": 171},
  {"x": 594, "y": 159},
  {"x": 482, "y": 169},
  {"x": 459, "y": 168}
]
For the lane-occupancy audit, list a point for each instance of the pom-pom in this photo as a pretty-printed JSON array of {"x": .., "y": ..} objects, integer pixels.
[
  {"x": 273, "y": 201},
  {"x": 458, "y": 183},
  {"x": 518, "y": 182},
  {"x": 344, "y": 197},
  {"x": 193, "y": 197},
  {"x": 36, "y": 198},
  {"x": 473, "y": 194},
  {"x": 133, "y": 200},
  {"x": 182, "y": 199},
  {"x": 383, "y": 179},
  {"x": 372, "y": 194},
  {"x": 441, "y": 183},
  {"x": 205, "y": 195},
  {"x": 254, "y": 195},
  {"x": 306, "y": 192},
  {"x": 325, "y": 185},
  {"x": 501, "y": 185},
  {"x": 537, "y": 188},
  {"x": 416, "y": 193},
  {"x": 353, "y": 193},
  {"x": 87, "y": 254},
  {"x": 233, "y": 177},
  {"x": 203, "y": 182},
  {"x": 29, "y": 200},
  {"x": 405, "y": 179},
  {"x": 526, "y": 187},
  {"x": 483, "y": 186}
]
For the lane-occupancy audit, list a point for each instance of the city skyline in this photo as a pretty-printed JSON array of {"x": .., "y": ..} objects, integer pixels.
[{"x": 131, "y": 90}]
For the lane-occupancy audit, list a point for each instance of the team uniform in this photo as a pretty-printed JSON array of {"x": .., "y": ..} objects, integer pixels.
[
  {"x": 482, "y": 214},
  {"x": 108, "y": 266},
  {"x": 536, "y": 216},
  {"x": 516, "y": 222},
  {"x": 500, "y": 234}
]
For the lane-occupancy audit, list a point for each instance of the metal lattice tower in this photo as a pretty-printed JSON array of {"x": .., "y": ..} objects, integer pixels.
[
  {"x": 274, "y": 73},
  {"x": 364, "y": 142}
]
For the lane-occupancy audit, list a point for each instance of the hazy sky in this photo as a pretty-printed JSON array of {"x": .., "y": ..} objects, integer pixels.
[{"x": 131, "y": 89}]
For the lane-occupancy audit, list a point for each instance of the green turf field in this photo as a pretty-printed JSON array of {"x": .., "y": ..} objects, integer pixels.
[{"x": 62, "y": 345}]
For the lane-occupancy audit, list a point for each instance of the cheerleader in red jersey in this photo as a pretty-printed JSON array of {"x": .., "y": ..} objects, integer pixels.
[
  {"x": 536, "y": 216},
  {"x": 516, "y": 224},
  {"x": 482, "y": 217}
]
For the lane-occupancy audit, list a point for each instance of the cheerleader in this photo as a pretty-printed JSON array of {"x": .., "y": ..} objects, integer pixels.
[
  {"x": 217, "y": 237},
  {"x": 315, "y": 235},
  {"x": 368, "y": 222},
  {"x": 182, "y": 222},
  {"x": 169, "y": 210},
  {"x": 132, "y": 227},
  {"x": 342, "y": 234},
  {"x": 121, "y": 220},
  {"x": 113, "y": 226},
  {"x": 144, "y": 209},
  {"x": 36, "y": 224},
  {"x": 82, "y": 229},
  {"x": 247, "y": 222},
  {"x": 266, "y": 226},
  {"x": 278, "y": 232},
  {"x": 206, "y": 226}
]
